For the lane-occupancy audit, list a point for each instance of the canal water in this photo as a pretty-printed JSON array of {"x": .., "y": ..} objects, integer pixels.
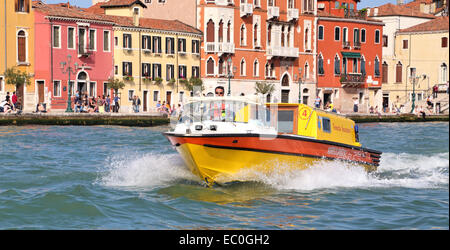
[{"x": 131, "y": 178}]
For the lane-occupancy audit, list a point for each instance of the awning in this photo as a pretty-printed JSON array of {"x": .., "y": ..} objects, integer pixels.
[{"x": 351, "y": 54}]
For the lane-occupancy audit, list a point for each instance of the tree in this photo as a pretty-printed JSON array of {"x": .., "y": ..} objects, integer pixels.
[
  {"x": 264, "y": 88},
  {"x": 115, "y": 84},
  {"x": 16, "y": 77},
  {"x": 193, "y": 83}
]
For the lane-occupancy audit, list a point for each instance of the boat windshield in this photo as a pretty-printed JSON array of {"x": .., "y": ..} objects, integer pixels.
[{"x": 222, "y": 110}]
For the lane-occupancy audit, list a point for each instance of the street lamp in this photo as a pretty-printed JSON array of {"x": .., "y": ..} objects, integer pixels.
[
  {"x": 299, "y": 85},
  {"x": 229, "y": 76},
  {"x": 70, "y": 69}
]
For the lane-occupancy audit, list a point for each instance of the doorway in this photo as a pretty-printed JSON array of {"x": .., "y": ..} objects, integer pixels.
[
  {"x": 144, "y": 104},
  {"x": 385, "y": 102},
  {"x": 40, "y": 87},
  {"x": 169, "y": 97},
  {"x": 326, "y": 98}
]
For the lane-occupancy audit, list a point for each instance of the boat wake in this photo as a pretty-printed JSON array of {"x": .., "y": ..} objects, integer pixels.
[
  {"x": 131, "y": 170},
  {"x": 395, "y": 170}
]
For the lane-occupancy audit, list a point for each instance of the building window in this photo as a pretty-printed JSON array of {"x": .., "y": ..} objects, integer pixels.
[
  {"x": 81, "y": 41},
  {"x": 337, "y": 65},
  {"x": 363, "y": 35},
  {"x": 127, "y": 41},
  {"x": 21, "y": 47},
  {"x": 146, "y": 42},
  {"x": 243, "y": 35},
  {"x": 155, "y": 96},
  {"x": 363, "y": 66},
  {"x": 93, "y": 89},
  {"x": 170, "y": 45},
  {"x": 337, "y": 33},
  {"x": 157, "y": 44},
  {"x": 182, "y": 72},
  {"x": 182, "y": 45},
  {"x": 377, "y": 36},
  {"x": 127, "y": 69},
  {"x": 256, "y": 68},
  {"x": 210, "y": 32},
  {"x": 385, "y": 41},
  {"x": 320, "y": 37},
  {"x": 377, "y": 67},
  {"x": 444, "y": 73},
  {"x": 92, "y": 40},
  {"x": 210, "y": 67},
  {"x": 106, "y": 41},
  {"x": 156, "y": 71},
  {"x": 444, "y": 42},
  {"x": 385, "y": 71},
  {"x": 170, "y": 72},
  {"x": 56, "y": 37},
  {"x": 195, "y": 46},
  {"x": 22, "y": 6},
  {"x": 321, "y": 71},
  {"x": 71, "y": 38},
  {"x": 130, "y": 95},
  {"x": 398, "y": 72},
  {"x": 337, "y": 5},
  {"x": 57, "y": 88},
  {"x": 195, "y": 71},
  {"x": 146, "y": 69},
  {"x": 243, "y": 67},
  {"x": 405, "y": 44}
]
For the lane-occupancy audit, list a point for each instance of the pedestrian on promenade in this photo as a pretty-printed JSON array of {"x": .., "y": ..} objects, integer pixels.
[
  {"x": 134, "y": 104},
  {"x": 317, "y": 102},
  {"x": 355, "y": 105},
  {"x": 435, "y": 91},
  {"x": 14, "y": 100},
  {"x": 116, "y": 103},
  {"x": 107, "y": 104},
  {"x": 100, "y": 107},
  {"x": 77, "y": 105},
  {"x": 8, "y": 98},
  {"x": 138, "y": 103}
]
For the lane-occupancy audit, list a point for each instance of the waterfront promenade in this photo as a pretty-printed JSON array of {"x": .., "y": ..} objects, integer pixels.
[{"x": 156, "y": 118}]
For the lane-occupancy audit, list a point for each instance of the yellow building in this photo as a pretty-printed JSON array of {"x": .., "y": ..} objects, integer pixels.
[
  {"x": 421, "y": 61},
  {"x": 151, "y": 56},
  {"x": 17, "y": 48}
]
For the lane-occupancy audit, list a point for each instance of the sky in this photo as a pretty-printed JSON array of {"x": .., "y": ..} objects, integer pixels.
[{"x": 362, "y": 4}]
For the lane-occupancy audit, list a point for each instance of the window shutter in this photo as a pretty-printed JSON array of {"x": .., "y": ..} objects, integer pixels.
[
  {"x": 21, "y": 49},
  {"x": 27, "y": 6},
  {"x": 130, "y": 65},
  {"x": 17, "y": 5},
  {"x": 124, "y": 72},
  {"x": 398, "y": 73}
]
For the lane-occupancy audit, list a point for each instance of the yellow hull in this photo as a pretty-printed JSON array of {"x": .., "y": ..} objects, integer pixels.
[{"x": 224, "y": 165}]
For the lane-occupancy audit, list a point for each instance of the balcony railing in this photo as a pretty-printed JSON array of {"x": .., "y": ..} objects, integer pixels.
[
  {"x": 246, "y": 9},
  {"x": 278, "y": 51},
  {"x": 219, "y": 47},
  {"x": 355, "y": 14},
  {"x": 273, "y": 12},
  {"x": 345, "y": 44},
  {"x": 352, "y": 79},
  {"x": 357, "y": 45},
  {"x": 292, "y": 14},
  {"x": 221, "y": 2}
]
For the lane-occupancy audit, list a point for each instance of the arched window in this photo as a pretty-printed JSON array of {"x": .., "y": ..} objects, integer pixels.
[
  {"x": 229, "y": 32},
  {"x": 220, "y": 31},
  {"x": 243, "y": 67},
  {"x": 398, "y": 72},
  {"x": 320, "y": 69},
  {"x": 337, "y": 65},
  {"x": 210, "y": 33},
  {"x": 243, "y": 35},
  {"x": 282, "y": 37},
  {"x": 221, "y": 68},
  {"x": 269, "y": 34},
  {"x": 285, "y": 81},
  {"x": 210, "y": 66},
  {"x": 21, "y": 47},
  {"x": 363, "y": 66},
  {"x": 444, "y": 73},
  {"x": 256, "y": 68},
  {"x": 306, "y": 73},
  {"x": 377, "y": 67},
  {"x": 384, "y": 71}
]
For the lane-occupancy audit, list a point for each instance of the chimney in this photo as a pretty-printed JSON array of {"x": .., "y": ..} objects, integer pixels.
[{"x": 136, "y": 16}]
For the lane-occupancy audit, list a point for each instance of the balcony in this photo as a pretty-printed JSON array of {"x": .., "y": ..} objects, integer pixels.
[
  {"x": 362, "y": 15},
  {"x": 278, "y": 51},
  {"x": 246, "y": 9},
  {"x": 357, "y": 45},
  {"x": 352, "y": 79},
  {"x": 221, "y": 2},
  {"x": 83, "y": 52},
  {"x": 273, "y": 12},
  {"x": 292, "y": 14},
  {"x": 345, "y": 44},
  {"x": 220, "y": 48}
]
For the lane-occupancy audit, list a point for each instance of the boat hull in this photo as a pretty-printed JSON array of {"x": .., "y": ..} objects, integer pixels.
[{"x": 225, "y": 158}]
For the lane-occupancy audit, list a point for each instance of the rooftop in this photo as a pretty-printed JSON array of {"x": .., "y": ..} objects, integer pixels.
[{"x": 437, "y": 24}]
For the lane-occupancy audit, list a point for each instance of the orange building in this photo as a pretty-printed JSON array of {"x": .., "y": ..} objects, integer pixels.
[
  {"x": 269, "y": 41},
  {"x": 349, "y": 56}
]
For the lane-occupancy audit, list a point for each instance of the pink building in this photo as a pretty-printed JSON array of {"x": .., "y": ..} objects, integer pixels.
[{"x": 61, "y": 31}]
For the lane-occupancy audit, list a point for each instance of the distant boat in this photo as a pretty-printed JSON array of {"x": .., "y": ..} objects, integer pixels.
[{"x": 219, "y": 137}]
